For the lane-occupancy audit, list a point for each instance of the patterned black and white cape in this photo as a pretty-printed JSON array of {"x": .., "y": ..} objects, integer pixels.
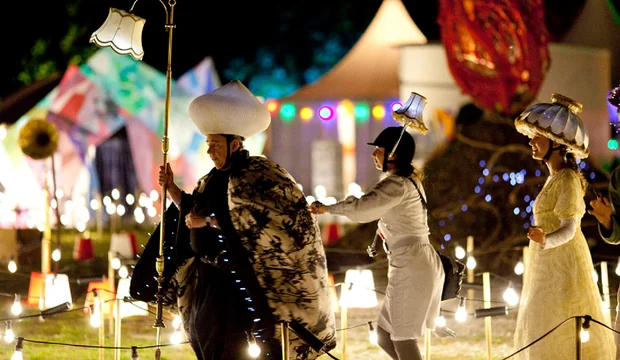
[{"x": 282, "y": 239}]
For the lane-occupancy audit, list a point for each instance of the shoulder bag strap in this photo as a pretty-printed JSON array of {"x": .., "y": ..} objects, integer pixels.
[{"x": 428, "y": 213}]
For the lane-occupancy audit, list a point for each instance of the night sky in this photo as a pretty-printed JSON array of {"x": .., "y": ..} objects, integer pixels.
[{"x": 223, "y": 30}]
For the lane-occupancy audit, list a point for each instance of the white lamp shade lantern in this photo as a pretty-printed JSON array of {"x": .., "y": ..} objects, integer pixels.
[
  {"x": 57, "y": 290},
  {"x": 121, "y": 31},
  {"x": 124, "y": 245},
  {"x": 135, "y": 308},
  {"x": 358, "y": 290}
]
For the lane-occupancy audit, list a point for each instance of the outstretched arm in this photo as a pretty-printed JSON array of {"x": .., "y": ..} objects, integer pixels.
[{"x": 372, "y": 205}]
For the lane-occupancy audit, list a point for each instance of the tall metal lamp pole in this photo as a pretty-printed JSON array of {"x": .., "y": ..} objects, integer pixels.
[{"x": 122, "y": 31}]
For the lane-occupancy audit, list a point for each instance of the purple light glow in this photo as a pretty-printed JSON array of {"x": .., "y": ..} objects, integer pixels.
[{"x": 326, "y": 113}]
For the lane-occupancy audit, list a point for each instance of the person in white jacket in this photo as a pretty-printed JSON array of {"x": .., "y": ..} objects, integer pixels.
[{"x": 415, "y": 278}]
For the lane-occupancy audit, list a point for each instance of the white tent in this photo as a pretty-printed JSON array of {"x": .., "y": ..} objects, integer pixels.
[{"x": 366, "y": 78}]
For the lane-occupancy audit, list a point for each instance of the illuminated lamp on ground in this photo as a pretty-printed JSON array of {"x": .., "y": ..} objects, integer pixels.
[
  {"x": 358, "y": 290},
  {"x": 106, "y": 293},
  {"x": 130, "y": 307}
]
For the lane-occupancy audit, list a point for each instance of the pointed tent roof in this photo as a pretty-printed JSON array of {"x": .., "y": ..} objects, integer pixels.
[
  {"x": 370, "y": 68},
  {"x": 14, "y": 106}
]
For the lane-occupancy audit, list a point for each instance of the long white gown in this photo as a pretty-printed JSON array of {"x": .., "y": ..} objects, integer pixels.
[{"x": 559, "y": 282}]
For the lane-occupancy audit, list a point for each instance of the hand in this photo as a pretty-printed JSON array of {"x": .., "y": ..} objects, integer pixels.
[
  {"x": 601, "y": 209},
  {"x": 536, "y": 234},
  {"x": 212, "y": 222},
  {"x": 165, "y": 177},
  {"x": 318, "y": 208},
  {"x": 194, "y": 221}
]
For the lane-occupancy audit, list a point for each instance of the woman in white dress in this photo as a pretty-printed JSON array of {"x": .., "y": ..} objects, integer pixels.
[
  {"x": 559, "y": 282},
  {"x": 415, "y": 278}
]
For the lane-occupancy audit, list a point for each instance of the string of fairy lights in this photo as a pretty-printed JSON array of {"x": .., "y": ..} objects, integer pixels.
[
  {"x": 253, "y": 349},
  {"x": 362, "y": 111},
  {"x": 510, "y": 300}
]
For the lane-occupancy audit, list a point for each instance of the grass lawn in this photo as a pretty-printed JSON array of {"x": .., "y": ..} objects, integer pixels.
[{"x": 73, "y": 327}]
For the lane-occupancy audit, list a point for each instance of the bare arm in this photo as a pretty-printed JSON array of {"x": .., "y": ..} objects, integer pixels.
[
  {"x": 167, "y": 177},
  {"x": 174, "y": 192}
]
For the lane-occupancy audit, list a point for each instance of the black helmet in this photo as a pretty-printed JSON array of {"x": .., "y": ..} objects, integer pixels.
[
  {"x": 389, "y": 136},
  {"x": 405, "y": 149}
]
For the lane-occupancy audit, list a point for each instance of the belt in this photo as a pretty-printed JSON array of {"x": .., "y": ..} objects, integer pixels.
[{"x": 396, "y": 242}]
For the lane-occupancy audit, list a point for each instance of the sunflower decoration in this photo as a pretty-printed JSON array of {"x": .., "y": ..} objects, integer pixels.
[{"x": 38, "y": 139}]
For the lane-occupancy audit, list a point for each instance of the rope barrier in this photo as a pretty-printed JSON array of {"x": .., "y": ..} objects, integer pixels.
[{"x": 42, "y": 342}]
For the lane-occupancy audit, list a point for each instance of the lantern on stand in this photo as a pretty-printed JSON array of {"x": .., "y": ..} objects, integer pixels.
[{"x": 122, "y": 32}]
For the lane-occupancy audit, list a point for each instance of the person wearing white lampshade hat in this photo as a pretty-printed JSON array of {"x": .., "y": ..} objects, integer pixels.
[
  {"x": 559, "y": 284},
  {"x": 606, "y": 210},
  {"x": 248, "y": 252},
  {"x": 416, "y": 276}
]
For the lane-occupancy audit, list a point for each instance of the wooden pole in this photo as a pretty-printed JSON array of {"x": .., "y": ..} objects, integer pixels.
[
  {"x": 427, "y": 345},
  {"x": 101, "y": 326},
  {"x": 117, "y": 329},
  {"x": 606, "y": 297},
  {"x": 486, "y": 294},
  {"x": 343, "y": 331},
  {"x": 46, "y": 239},
  {"x": 47, "y": 231},
  {"x": 111, "y": 281},
  {"x": 470, "y": 274}
]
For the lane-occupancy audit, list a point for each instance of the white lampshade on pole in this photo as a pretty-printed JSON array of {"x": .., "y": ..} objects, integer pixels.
[
  {"x": 121, "y": 31},
  {"x": 57, "y": 290}
]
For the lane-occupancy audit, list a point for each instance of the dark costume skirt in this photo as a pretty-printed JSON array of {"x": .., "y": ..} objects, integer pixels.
[{"x": 220, "y": 316}]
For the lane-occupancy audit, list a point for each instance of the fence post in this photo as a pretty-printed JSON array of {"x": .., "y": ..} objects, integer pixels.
[
  {"x": 486, "y": 293},
  {"x": 343, "y": 326},
  {"x": 117, "y": 329},
  {"x": 605, "y": 288},
  {"x": 470, "y": 274}
]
